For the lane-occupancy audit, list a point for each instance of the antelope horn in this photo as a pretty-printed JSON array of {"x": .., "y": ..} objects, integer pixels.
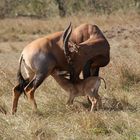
[
  {"x": 66, "y": 31},
  {"x": 66, "y": 49}
]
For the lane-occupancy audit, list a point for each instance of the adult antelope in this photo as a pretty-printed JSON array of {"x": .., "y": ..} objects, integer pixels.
[
  {"x": 41, "y": 56},
  {"x": 92, "y": 51}
]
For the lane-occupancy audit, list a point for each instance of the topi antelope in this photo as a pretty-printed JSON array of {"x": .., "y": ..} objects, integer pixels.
[
  {"x": 84, "y": 87},
  {"x": 41, "y": 56},
  {"x": 92, "y": 51}
]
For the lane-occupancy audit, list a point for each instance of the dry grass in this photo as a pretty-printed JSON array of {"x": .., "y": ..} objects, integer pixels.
[
  {"x": 119, "y": 118},
  {"x": 25, "y": 29}
]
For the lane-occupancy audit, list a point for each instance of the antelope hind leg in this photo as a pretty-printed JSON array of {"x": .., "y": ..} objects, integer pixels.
[
  {"x": 16, "y": 94},
  {"x": 29, "y": 90},
  {"x": 32, "y": 86}
]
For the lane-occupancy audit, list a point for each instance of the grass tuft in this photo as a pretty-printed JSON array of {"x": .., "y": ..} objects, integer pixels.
[{"x": 129, "y": 77}]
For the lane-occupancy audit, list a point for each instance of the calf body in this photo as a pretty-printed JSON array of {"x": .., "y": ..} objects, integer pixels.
[{"x": 84, "y": 87}]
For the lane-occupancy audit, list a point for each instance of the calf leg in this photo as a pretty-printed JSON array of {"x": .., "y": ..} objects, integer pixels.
[
  {"x": 93, "y": 102},
  {"x": 88, "y": 71},
  {"x": 99, "y": 101},
  {"x": 95, "y": 99},
  {"x": 71, "y": 99}
]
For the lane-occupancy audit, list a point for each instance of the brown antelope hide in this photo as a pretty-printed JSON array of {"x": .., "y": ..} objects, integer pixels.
[
  {"x": 43, "y": 55},
  {"x": 92, "y": 51},
  {"x": 84, "y": 87}
]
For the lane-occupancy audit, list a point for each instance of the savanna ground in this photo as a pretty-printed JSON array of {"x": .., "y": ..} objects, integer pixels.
[{"x": 120, "y": 117}]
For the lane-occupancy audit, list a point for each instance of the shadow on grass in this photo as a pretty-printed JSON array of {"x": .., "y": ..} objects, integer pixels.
[
  {"x": 61, "y": 109},
  {"x": 112, "y": 104}
]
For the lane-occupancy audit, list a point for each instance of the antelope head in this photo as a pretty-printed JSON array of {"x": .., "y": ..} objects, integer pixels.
[{"x": 67, "y": 52}]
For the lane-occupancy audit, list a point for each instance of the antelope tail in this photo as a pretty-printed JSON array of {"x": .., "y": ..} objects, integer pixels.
[{"x": 22, "y": 82}]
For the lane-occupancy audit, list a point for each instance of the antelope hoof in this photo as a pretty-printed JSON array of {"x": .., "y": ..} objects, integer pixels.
[{"x": 14, "y": 110}]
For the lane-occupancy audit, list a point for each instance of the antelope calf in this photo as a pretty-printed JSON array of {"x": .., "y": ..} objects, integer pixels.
[{"x": 84, "y": 87}]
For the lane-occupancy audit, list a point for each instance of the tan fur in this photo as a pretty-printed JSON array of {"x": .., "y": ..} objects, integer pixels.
[{"x": 86, "y": 87}]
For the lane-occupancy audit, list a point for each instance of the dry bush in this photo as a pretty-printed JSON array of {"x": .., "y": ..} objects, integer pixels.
[{"x": 26, "y": 29}]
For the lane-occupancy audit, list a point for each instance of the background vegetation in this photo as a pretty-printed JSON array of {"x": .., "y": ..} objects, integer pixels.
[
  {"x": 119, "y": 119},
  {"x": 47, "y": 8}
]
